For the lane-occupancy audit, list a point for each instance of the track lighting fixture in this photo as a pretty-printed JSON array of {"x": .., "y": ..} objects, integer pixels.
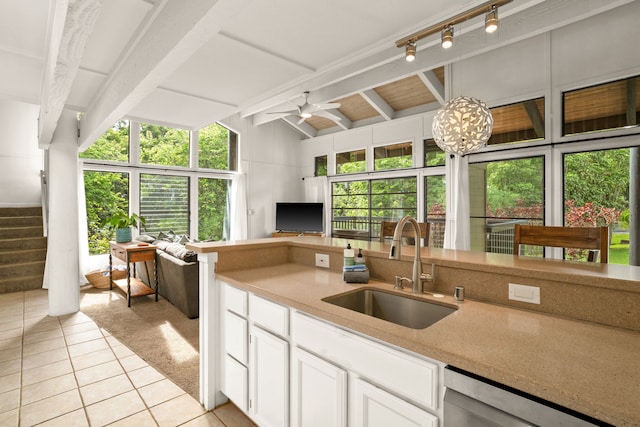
[
  {"x": 489, "y": 9},
  {"x": 410, "y": 52},
  {"x": 447, "y": 37},
  {"x": 491, "y": 20}
]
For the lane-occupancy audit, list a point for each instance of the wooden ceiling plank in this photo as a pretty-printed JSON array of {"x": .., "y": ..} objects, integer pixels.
[
  {"x": 380, "y": 105},
  {"x": 176, "y": 33},
  {"x": 433, "y": 83},
  {"x": 71, "y": 27}
]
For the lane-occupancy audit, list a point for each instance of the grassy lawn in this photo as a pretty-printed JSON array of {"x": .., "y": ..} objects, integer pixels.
[{"x": 619, "y": 252}]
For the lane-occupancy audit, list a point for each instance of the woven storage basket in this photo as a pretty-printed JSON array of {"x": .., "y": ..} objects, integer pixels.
[{"x": 100, "y": 279}]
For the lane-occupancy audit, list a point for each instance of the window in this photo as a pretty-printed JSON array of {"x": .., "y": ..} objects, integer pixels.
[
  {"x": 433, "y": 155},
  {"x": 112, "y": 146},
  {"x": 212, "y": 202},
  {"x": 359, "y": 206},
  {"x": 596, "y": 193},
  {"x": 606, "y": 106},
  {"x": 435, "y": 209},
  {"x": 164, "y": 202},
  {"x": 161, "y": 145},
  {"x": 395, "y": 156},
  {"x": 105, "y": 191},
  {"x": 522, "y": 121},
  {"x": 503, "y": 193},
  {"x": 351, "y": 161},
  {"x": 350, "y": 209},
  {"x": 320, "y": 166},
  {"x": 217, "y": 148}
]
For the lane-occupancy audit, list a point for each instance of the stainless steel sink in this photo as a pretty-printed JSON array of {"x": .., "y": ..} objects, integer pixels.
[{"x": 399, "y": 309}]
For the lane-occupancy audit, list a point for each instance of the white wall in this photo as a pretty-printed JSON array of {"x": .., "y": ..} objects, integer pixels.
[
  {"x": 270, "y": 156},
  {"x": 20, "y": 158}
]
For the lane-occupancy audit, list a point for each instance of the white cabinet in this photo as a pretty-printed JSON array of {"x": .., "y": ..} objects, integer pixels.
[
  {"x": 374, "y": 407},
  {"x": 318, "y": 392},
  {"x": 269, "y": 383},
  {"x": 255, "y": 356}
]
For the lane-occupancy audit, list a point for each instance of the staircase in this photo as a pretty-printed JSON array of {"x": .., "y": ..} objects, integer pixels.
[{"x": 23, "y": 249}]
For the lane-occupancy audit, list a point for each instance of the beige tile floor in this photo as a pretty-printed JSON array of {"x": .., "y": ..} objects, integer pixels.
[{"x": 65, "y": 371}]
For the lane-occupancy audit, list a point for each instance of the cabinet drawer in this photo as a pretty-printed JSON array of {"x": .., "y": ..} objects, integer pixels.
[
  {"x": 119, "y": 253},
  {"x": 271, "y": 316},
  {"x": 235, "y": 300},
  {"x": 235, "y": 383},
  {"x": 235, "y": 336},
  {"x": 407, "y": 375}
]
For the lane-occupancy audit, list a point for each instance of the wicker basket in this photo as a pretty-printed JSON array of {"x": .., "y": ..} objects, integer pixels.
[{"x": 100, "y": 279}]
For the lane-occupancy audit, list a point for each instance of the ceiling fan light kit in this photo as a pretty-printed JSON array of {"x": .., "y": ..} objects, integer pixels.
[{"x": 306, "y": 110}]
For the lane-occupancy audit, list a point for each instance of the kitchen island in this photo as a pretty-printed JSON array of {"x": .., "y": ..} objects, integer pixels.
[{"x": 578, "y": 348}]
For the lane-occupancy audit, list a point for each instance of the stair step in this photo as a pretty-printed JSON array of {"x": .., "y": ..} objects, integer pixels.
[
  {"x": 15, "y": 232},
  {"x": 18, "y": 284},
  {"x": 21, "y": 211},
  {"x": 7, "y": 245},
  {"x": 22, "y": 269},
  {"x": 20, "y": 221},
  {"x": 22, "y": 255}
]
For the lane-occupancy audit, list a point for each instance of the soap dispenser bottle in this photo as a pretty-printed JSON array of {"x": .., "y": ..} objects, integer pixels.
[
  {"x": 360, "y": 258},
  {"x": 349, "y": 256}
]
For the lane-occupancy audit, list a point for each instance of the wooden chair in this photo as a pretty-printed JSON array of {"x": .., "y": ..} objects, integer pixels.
[
  {"x": 387, "y": 228},
  {"x": 593, "y": 238}
]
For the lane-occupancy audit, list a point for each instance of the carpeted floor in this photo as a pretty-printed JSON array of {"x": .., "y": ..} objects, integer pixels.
[{"x": 157, "y": 331}]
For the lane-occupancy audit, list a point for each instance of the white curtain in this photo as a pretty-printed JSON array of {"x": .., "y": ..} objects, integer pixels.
[
  {"x": 316, "y": 189},
  {"x": 457, "y": 231},
  {"x": 83, "y": 235},
  {"x": 238, "y": 208}
]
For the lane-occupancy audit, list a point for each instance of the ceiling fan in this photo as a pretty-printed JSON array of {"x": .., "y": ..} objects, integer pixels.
[{"x": 307, "y": 110}]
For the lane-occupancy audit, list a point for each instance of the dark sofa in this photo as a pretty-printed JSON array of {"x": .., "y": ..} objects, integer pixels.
[{"x": 177, "y": 272}]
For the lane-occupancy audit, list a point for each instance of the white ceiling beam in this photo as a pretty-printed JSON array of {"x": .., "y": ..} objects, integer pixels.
[
  {"x": 344, "y": 121},
  {"x": 380, "y": 105},
  {"x": 436, "y": 88},
  {"x": 70, "y": 27},
  {"x": 178, "y": 30},
  {"x": 304, "y": 128}
]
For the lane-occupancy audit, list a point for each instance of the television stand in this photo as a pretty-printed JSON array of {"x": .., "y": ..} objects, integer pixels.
[{"x": 296, "y": 233}]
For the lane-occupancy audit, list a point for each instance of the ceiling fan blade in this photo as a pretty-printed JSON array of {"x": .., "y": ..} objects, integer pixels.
[
  {"x": 302, "y": 119},
  {"x": 283, "y": 112},
  {"x": 327, "y": 106},
  {"x": 327, "y": 115}
]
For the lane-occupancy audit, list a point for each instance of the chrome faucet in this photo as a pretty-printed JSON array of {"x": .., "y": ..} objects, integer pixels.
[{"x": 394, "y": 253}]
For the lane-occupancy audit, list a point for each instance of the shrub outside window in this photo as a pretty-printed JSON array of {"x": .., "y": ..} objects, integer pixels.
[
  {"x": 351, "y": 162},
  {"x": 394, "y": 156}
]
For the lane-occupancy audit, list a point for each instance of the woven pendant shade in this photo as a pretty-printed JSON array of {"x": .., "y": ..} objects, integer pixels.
[{"x": 462, "y": 126}]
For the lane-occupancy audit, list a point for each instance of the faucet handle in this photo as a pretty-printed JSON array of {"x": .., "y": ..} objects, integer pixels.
[{"x": 399, "y": 279}]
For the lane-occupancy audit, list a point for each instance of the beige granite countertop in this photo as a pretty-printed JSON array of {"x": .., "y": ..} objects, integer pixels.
[{"x": 589, "y": 368}]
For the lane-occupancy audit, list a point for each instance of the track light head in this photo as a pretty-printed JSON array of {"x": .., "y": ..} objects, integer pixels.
[
  {"x": 410, "y": 52},
  {"x": 491, "y": 20},
  {"x": 447, "y": 37}
]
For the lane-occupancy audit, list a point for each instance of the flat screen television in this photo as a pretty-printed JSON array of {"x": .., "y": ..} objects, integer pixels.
[{"x": 299, "y": 217}]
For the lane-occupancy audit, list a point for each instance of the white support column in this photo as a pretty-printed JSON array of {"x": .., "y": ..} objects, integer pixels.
[
  {"x": 62, "y": 242},
  {"x": 210, "y": 336}
]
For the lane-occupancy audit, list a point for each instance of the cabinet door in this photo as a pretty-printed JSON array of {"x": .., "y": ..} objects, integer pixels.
[
  {"x": 319, "y": 392},
  {"x": 235, "y": 336},
  {"x": 374, "y": 407},
  {"x": 269, "y": 384},
  {"x": 235, "y": 382}
]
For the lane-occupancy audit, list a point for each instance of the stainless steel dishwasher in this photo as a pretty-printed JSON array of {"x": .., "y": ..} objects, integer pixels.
[{"x": 474, "y": 401}]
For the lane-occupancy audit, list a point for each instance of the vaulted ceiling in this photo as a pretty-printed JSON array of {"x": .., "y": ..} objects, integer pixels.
[{"x": 188, "y": 63}]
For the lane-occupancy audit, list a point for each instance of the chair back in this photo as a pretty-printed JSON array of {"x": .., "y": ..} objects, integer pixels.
[
  {"x": 388, "y": 227},
  {"x": 596, "y": 239}
]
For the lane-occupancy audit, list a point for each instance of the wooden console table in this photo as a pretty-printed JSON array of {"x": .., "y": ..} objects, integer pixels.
[{"x": 131, "y": 253}]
